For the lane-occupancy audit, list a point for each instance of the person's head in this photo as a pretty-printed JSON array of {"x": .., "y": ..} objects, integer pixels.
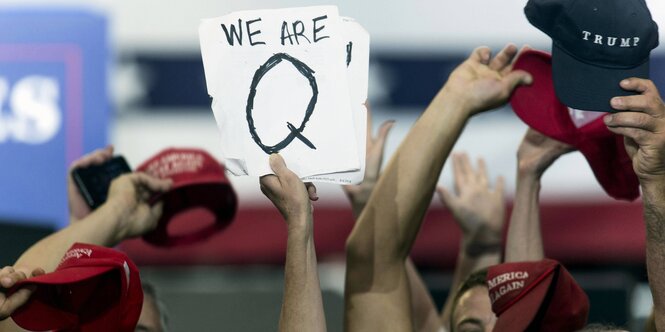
[
  {"x": 472, "y": 310},
  {"x": 153, "y": 314}
]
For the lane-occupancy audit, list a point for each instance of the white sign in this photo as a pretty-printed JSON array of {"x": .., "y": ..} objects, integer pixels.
[{"x": 289, "y": 81}]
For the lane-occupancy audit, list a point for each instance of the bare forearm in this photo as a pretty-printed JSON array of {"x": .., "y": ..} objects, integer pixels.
[
  {"x": 302, "y": 306},
  {"x": 423, "y": 309},
  {"x": 98, "y": 228},
  {"x": 524, "y": 242},
  {"x": 653, "y": 197},
  {"x": 405, "y": 188}
]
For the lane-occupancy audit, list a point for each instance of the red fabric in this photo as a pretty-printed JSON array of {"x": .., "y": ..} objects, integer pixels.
[
  {"x": 200, "y": 194},
  {"x": 538, "y": 106},
  {"x": 520, "y": 290},
  {"x": 92, "y": 289},
  {"x": 573, "y": 233}
]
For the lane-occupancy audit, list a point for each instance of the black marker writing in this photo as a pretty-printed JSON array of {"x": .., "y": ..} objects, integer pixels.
[
  {"x": 229, "y": 36},
  {"x": 349, "y": 50},
  {"x": 252, "y": 33},
  {"x": 316, "y": 30},
  {"x": 295, "y": 132},
  {"x": 234, "y": 33}
]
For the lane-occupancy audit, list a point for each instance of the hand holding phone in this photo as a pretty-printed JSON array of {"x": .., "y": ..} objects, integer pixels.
[{"x": 94, "y": 181}]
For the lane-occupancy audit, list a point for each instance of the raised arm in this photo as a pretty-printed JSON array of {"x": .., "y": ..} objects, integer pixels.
[
  {"x": 643, "y": 126},
  {"x": 535, "y": 154},
  {"x": 302, "y": 307},
  {"x": 377, "y": 294},
  {"x": 423, "y": 309},
  {"x": 480, "y": 212}
]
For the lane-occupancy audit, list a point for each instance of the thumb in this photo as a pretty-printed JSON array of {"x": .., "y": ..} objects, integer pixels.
[{"x": 277, "y": 164}]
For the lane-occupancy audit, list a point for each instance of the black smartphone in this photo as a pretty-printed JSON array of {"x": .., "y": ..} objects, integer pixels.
[{"x": 94, "y": 181}]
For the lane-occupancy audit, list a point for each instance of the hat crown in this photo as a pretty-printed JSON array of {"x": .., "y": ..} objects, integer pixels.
[
  {"x": 174, "y": 163},
  {"x": 606, "y": 33}
]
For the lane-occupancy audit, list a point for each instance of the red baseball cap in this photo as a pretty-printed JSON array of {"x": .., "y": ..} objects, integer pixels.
[
  {"x": 538, "y": 296},
  {"x": 93, "y": 289},
  {"x": 538, "y": 106},
  {"x": 200, "y": 193}
]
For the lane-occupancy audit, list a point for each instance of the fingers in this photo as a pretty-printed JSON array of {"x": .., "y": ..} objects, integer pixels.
[
  {"x": 10, "y": 277},
  {"x": 383, "y": 131},
  {"x": 504, "y": 58},
  {"x": 638, "y": 85},
  {"x": 638, "y": 135},
  {"x": 481, "y": 54},
  {"x": 458, "y": 173},
  {"x": 631, "y": 120},
  {"x": 515, "y": 78},
  {"x": 481, "y": 173},
  {"x": 311, "y": 191},
  {"x": 154, "y": 184},
  {"x": 38, "y": 272},
  {"x": 648, "y": 101},
  {"x": 467, "y": 169},
  {"x": 16, "y": 300},
  {"x": 96, "y": 157}
]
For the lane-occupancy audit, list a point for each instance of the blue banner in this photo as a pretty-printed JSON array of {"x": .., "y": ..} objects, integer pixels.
[{"x": 53, "y": 106}]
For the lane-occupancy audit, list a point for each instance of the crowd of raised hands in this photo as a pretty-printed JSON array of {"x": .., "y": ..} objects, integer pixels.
[{"x": 383, "y": 289}]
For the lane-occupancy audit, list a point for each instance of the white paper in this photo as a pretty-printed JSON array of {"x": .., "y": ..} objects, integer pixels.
[
  {"x": 356, "y": 54},
  {"x": 330, "y": 145}
]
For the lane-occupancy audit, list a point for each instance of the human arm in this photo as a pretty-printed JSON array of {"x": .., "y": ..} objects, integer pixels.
[
  {"x": 125, "y": 214},
  {"x": 535, "y": 155},
  {"x": 642, "y": 123},
  {"x": 480, "y": 212},
  {"x": 377, "y": 291},
  {"x": 302, "y": 306},
  {"x": 425, "y": 316}
]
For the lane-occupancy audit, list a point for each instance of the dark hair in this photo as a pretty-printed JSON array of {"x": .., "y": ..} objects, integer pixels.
[{"x": 478, "y": 278}]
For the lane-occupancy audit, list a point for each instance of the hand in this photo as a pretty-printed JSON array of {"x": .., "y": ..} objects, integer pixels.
[
  {"x": 128, "y": 196},
  {"x": 288, "y": 193},
  {"x": 478, "y": 210},
  {"x": 537, "y": 152},
  {"x": 359, "y": 194},
  {"x": 8, "y": 278},
  {"x": 78, "y": 208},
  {"x": 643, "y": 128},
  {"x": 482, "y": 83}
]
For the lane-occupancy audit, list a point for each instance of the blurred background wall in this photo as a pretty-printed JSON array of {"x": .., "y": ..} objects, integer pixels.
[{"x": 155, "y": 98}]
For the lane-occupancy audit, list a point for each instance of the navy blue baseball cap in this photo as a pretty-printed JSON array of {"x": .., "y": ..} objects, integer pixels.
[{"x": 595, "y": 45}]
